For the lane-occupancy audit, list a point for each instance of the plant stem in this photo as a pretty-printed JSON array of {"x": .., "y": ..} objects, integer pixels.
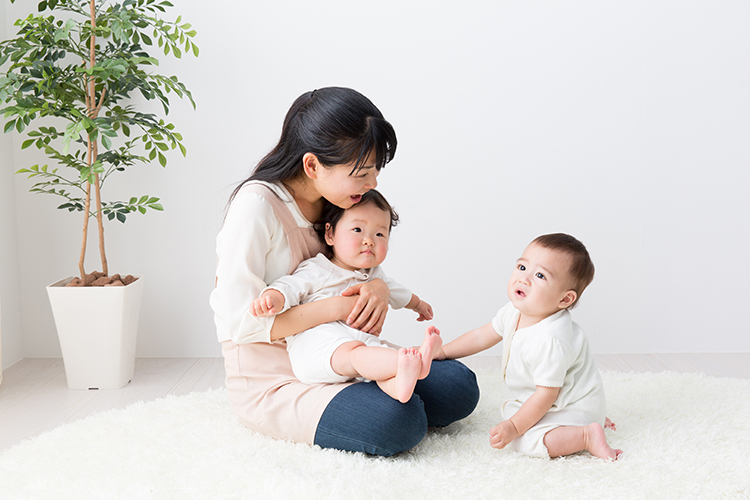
[
  {"x": 93, "y": 112},
  {"x": 85, "y": 232}
]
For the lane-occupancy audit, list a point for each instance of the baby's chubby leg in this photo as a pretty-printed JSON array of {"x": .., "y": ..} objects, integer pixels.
[
  {"x": 429, "y": 349},
  {"x": 396, "y": 372},
  {"x": 567, "y": 440}
]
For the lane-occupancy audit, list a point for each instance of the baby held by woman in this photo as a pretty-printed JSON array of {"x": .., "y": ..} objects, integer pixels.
[{"x": 357, "y": 239}]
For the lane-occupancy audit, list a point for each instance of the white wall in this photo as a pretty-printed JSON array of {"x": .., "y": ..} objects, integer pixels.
[{"x": 623, "y": 123}]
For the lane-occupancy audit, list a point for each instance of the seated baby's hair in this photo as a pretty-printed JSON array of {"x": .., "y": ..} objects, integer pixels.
[
  {"x": 581, "y": 267},
  {"x": 332, "y": 214}
]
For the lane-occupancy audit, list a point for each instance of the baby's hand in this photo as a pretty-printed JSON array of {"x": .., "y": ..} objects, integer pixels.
[
  {"x": 270, "y": 303},
  {"x": 424, "y": 310},
  {"x": 502, "y": 434}
]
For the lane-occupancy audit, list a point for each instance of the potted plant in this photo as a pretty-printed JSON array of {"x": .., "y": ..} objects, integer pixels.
[{"x": 74, "y": 76}]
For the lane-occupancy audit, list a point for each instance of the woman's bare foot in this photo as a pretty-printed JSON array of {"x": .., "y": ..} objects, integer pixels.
[
  {"x": 429, "y": 348},
  {"x": 596, "y": 442},
  {"x": 409, "y": 367}
]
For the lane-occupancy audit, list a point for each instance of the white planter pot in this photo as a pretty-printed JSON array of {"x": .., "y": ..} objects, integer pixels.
[{"x": 97, "y": 327}]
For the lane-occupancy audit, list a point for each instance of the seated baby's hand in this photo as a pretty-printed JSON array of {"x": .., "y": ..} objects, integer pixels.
[{"x": 502, "y": 434}]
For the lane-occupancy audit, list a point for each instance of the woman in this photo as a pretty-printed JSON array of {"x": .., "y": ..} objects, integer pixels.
[{"x": 334, "y": 142}]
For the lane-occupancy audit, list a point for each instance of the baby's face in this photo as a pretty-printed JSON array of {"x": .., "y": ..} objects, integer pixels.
[
  {"x": 360, "y": 240},
  {"x": 539, "y": 282}
]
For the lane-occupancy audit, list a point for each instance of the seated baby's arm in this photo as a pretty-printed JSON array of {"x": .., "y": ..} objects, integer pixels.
[
  {"x": 420, "y": 307},
  {"x": 270, "y": 303},
  {"x": 472, "y": 342},
  {"x": 525, "y": 418}
]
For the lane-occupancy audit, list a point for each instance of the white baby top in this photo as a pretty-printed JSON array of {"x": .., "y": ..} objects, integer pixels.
[
  {"x": 552, "y": 353},
  {"x": 318, "y": 278}
]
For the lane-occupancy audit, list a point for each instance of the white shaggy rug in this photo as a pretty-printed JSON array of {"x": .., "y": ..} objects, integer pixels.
[{"x": 683, "y": 435}]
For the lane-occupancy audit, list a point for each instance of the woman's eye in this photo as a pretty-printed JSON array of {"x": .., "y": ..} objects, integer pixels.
[{"x": 540, "y": 276}]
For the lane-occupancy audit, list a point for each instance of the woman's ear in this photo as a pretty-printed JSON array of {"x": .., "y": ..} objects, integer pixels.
[
  {"x": 329, "y": 234},
  {"x": 311, "y": 165},
  {"x": 568, "y": 299}
]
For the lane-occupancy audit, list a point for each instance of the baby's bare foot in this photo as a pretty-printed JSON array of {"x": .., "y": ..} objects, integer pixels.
[
  {"x": 429, "y": 348},
  {"x": 596, "y": 443},
  {"x": 608, "y": 424},
  {"x": 409, "y": 367}
]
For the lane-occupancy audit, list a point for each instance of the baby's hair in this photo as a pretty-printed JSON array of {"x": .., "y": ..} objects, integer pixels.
[
  {"x": 581, "y": 267},
  {"x": 332, "y": 215}
]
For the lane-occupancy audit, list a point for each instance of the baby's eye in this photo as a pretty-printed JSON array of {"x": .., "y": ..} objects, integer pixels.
[
  {"x": 357, "y": 230},
  {"x": 521, "y": 267},
  {"x": 540, "y": 276},
  {"x": 380, "y": 235}
]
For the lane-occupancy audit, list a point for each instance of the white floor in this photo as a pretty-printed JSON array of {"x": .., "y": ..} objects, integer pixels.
[{"x": 34, "y": 397}]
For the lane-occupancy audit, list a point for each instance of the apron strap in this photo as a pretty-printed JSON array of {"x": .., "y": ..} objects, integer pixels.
[{"x": 303, "y": 241}]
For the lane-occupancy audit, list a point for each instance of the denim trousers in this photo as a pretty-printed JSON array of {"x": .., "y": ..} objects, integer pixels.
[{"x": 364, "y": 418}]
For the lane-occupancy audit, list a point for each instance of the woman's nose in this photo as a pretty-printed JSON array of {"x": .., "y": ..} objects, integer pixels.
[{"x": 372, "y": 182}]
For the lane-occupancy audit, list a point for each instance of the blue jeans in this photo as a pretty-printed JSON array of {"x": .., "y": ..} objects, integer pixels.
[{"x": 364, "y": 418}]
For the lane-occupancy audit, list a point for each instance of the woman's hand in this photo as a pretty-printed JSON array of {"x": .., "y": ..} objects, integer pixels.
[
  {"x": 502, "y": 434},
  {"x": 371, "y": 307}
]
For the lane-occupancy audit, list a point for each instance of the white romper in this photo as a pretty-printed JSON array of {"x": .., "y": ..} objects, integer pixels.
[
  {"x": 552, "y": 353},
  {"x": 318, "y": 278}
]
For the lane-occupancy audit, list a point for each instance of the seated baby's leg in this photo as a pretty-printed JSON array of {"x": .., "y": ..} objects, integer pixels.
[{"x": 566, "y": 440}]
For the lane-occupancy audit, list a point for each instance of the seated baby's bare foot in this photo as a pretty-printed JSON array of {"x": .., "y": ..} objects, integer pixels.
[
  {"x": 409, "y": 367},
  {"x": 596, "y": 443},
  {"x": 429, "y": 348}
]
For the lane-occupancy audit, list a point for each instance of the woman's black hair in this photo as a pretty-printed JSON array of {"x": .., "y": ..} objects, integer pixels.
[
  {"x": 338, "y": 125},
  {"x": 332, "y": 215}
]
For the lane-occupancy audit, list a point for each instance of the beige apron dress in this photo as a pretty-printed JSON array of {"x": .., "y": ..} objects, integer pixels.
[{"x": 262, "y": 389}]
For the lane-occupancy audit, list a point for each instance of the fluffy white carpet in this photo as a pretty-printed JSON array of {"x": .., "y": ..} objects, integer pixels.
[{"x": 683, "y": 436}]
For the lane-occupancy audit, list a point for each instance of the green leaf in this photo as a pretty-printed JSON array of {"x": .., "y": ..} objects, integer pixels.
[
  {"x": 121, "y": 216},
  {"x": 27, "y": 143},
  {"x": 162, "y": 160},
  {"x": 157, "y": 206},
  {"x": 9, "y": 126}
]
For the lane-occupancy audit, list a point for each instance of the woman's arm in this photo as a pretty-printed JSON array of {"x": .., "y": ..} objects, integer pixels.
[
  {"x": 370, "y": 307},
  {"x": 305, "y": 316}
]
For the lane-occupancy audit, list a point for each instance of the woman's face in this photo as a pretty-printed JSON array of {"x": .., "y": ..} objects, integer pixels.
[{"x": 341, "y": 186}]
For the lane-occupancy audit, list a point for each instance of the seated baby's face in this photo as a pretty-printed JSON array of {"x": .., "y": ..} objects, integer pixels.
[{"x": 540, "y": 284}]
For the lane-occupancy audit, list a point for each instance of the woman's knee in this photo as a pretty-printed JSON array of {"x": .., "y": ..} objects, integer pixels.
[
  {"x": 450, "y": 393},
  {"x": 363, "y": 418}
]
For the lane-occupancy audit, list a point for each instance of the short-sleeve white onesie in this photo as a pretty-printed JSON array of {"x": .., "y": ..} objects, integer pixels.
[
  {"x": 552, "y": 353},
  {"x": 318, "y": 278}
]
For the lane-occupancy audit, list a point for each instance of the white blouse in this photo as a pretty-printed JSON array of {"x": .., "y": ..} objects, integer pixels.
[{"x": 252, "y": 251}]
